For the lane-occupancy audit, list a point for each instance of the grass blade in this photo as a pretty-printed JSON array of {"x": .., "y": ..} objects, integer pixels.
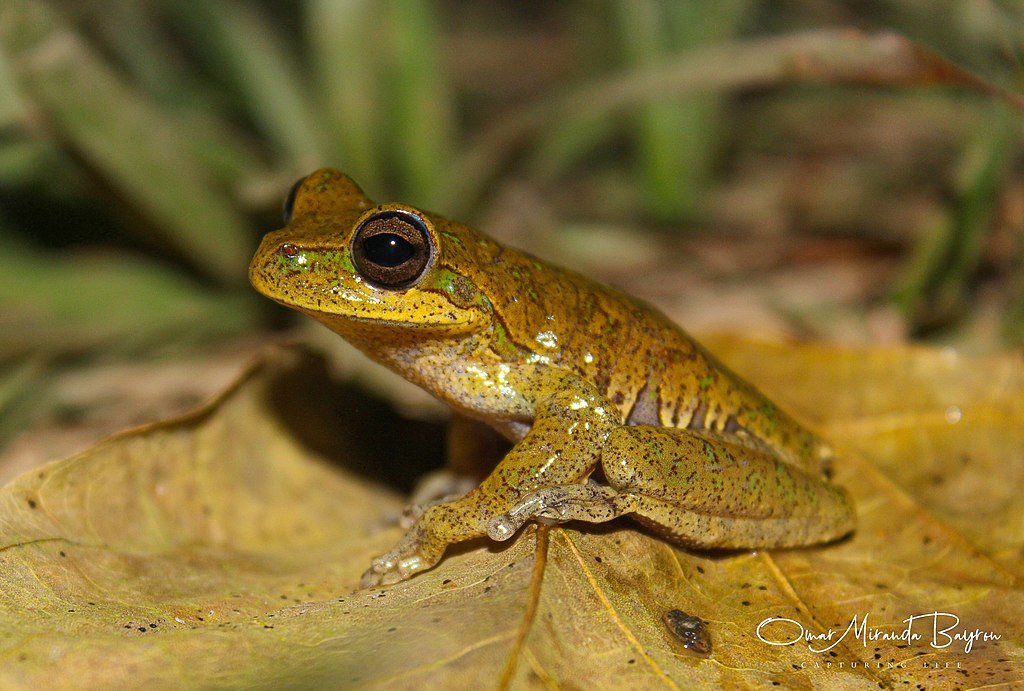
[
  {"x": 122, "y": 139},
  {"x": 344, "y": 43},
  {"x": 249, "y": 57},
  {"x": 421, "y": 108}
]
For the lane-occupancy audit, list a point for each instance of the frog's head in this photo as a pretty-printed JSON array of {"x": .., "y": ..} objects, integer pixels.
[{"x": 359, "y": 266}]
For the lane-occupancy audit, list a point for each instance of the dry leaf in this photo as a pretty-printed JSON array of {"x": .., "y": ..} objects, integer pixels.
[{"x": 219, "y": 550}]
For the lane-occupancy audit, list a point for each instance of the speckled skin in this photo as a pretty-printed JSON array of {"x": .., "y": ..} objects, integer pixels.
[{"x": 578, "y": 375}]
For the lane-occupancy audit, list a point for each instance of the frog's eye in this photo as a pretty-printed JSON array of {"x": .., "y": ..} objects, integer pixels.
[
  {"x": 391, "y": 248},
  {"x": 289, "y": 201}
]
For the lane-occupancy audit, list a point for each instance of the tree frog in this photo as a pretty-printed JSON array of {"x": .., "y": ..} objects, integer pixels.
[{"x": 612, "y": 409}]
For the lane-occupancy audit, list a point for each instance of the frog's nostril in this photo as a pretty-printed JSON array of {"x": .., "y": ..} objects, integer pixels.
[{"x": 288, "y": 250}]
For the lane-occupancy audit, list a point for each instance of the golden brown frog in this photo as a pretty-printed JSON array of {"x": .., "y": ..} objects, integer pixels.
[{"x": 580, "y": 377}]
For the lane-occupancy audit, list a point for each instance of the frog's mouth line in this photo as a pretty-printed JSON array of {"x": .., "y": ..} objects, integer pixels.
[{"x": 335, "y": 317}]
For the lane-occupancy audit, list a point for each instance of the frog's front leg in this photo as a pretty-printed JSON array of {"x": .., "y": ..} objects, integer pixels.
[
  {"x": 563, "y": 447},
  {"x": 699, "y": 488}
]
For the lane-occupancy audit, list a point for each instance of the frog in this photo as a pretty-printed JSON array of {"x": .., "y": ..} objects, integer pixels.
[{"x": 609, "y": 408}]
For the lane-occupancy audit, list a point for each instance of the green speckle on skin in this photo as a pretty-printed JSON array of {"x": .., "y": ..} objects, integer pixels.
[
  {"x": 704, "y": 387},
  {"x": 483, "y": 301},
  {"x": 502, "y": 345},
  {"x": 289, "y": 265},
  {"x": 586, "y": 307},
  {"x": 532, "y": 293},
  {"x": 710, "y": 454},
  {"x": 657, "y": 451},
  {"x": 767, "y": 408},
  {"x": 783, "y": 478},
  {"x": 451, "y": 236},
  {"x": 460, "y": 291},
  {"x": 332, "y": 259},
  {"x": 677, "y": 479},
  {"x": 445, "y": 281},
  {"x": 326, "y": 178},
  {"x": 754, "y": 482},
  {"x": 317, "y": 263}
]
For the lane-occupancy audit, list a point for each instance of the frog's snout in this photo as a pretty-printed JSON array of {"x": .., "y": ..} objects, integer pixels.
[{"x": 264, "y": 258}]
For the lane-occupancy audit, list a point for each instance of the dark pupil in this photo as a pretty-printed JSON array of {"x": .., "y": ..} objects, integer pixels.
[
  {"x": 391, "y": 248},
  {"x": 388, "y": 249}
]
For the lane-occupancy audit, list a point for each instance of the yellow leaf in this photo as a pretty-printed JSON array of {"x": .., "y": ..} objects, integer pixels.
[{"x": 219, "y": 549}]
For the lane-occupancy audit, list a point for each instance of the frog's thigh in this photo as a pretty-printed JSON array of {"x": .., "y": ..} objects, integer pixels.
[{"x": 702, "y": 489}]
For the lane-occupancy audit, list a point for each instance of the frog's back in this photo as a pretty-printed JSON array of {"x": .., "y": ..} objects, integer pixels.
[{"x": 649, "y": 367}]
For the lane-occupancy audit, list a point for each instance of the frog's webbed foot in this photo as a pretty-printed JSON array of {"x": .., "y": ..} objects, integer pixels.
[
  {"x": 589, "y": 502},
  {"x": 437, "y": 525},
  {"x": 392, "y": 567},
  {"x": 412, "y": 554}
]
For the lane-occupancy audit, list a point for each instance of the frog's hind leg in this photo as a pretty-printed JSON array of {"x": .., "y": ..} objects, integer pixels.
[
  {"x": 703, "y": 489},
  {"x": 698, "y": 488}
]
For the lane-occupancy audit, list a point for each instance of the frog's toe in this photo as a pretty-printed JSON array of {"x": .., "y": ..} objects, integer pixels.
[
  {"x": 386, "y": 570},
  {"x": 501, "y": 528},
  {"x": 369, "y": 579},
  {"x": 375, "y": 575}
]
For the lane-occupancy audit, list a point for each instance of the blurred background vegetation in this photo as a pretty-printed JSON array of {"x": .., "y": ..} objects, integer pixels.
[{"x": 744, "y": 164}]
